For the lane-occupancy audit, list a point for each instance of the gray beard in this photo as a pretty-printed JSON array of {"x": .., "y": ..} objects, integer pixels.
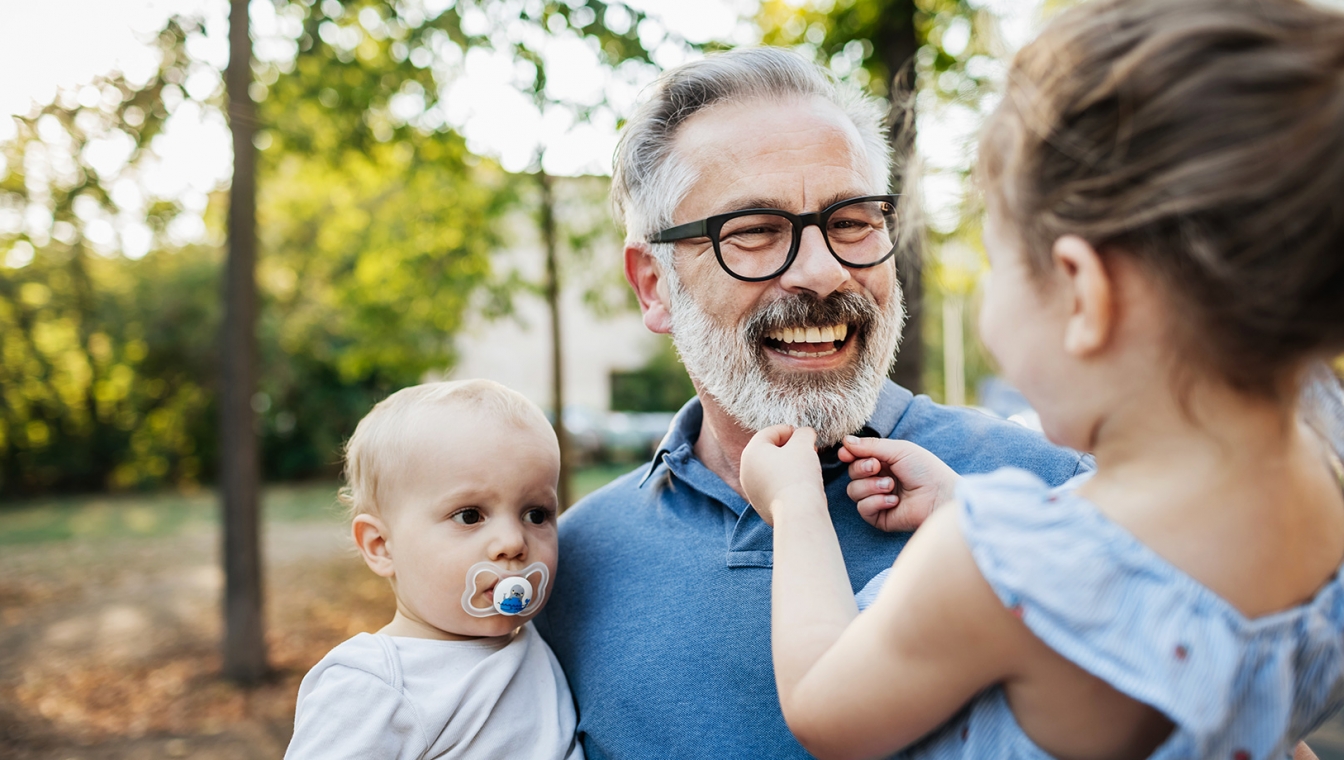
[{"x": 731, "y": 366}]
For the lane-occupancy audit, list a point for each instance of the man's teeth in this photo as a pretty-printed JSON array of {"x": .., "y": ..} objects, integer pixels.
[
  {"x": 828, "y": 334},
  {"x": 819, "y": 336}
]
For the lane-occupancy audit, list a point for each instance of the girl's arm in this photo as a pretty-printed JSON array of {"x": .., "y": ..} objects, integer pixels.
[
  {"x": 865, "y": 685},
  {"x": 935, "y": 637},
  {"x": 810, "y": 598}
]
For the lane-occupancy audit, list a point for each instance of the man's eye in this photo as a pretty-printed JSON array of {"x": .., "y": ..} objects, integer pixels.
[
  {"x": 537, "y": 516},
  {"x": 469, "y": 516}
]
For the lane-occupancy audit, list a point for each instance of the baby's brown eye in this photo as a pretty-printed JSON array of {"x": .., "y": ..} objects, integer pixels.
[
  {"x": 536, "y": 516},
  {"x": 469, "y": 516}
]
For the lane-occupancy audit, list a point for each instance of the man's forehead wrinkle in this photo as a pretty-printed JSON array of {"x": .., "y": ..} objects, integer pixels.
[
  {"x": 799, "y": 156},
  {"x": 791, "y": 191}
]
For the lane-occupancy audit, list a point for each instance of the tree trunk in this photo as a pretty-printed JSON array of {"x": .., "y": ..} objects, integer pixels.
[
  {"x": 896, "y": 43},
  {"x": 563, "y": 491},
  {"x": 239, "y": 472}
]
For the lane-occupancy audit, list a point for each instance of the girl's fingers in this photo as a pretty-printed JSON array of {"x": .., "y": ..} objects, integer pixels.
[
  {"x": 886, "y": 450},
  {"x": 863, "y": 468},
  {"x": 777, "y": 435},
  {"x": 873, "y": 508},
  {"x": 866, "y": 487},
  {"x": 891, "y": 518},
  {"x": 802, "y": 437}
]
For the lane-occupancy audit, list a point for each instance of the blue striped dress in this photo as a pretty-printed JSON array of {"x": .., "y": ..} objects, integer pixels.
[{"x": 1235, "y": 689}]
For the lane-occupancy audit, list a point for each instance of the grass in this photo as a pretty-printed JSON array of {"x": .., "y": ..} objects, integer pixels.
[
  {"x": 170, "y": 512},
  {"x": 589, "y": 479}
]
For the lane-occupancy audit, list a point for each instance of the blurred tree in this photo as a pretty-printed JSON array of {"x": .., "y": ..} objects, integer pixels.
[
  {"x": 376, "y": 226},
  {"x": 239, "y": 468},
  {"x": 102, "y": 361},
  {"x": 889, "y": 46},
  {"x": 378, "y": 69},
  {"x": 375, "y": 233}
]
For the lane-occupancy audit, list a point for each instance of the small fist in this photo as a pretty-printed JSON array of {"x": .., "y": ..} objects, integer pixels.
[
  {"x": 896, "y": 484},
  {"x": 780, "y": 465}
]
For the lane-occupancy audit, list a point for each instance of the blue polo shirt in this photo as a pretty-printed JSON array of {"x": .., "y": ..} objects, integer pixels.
[{"x": 660, "y": 613}]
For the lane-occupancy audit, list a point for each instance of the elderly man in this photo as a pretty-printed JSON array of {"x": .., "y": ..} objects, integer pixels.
[{"x": 760, "y": 235}]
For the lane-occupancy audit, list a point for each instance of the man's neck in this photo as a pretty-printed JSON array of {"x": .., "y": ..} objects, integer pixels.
[{"x": 721, "y": 441}]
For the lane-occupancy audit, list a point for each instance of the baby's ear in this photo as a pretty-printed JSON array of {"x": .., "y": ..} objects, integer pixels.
[{"x": 371, "y": 538}]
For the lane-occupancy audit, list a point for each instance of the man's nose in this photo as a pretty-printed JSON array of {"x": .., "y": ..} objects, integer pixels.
[
  {"x": 814, "y": 269},
  {"x": 507, "y": 541}
]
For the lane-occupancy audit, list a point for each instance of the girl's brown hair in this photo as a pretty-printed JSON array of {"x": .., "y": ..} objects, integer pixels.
[{"x": 1204, "y": 139}]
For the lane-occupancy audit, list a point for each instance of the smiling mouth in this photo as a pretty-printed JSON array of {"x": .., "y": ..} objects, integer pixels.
[{"x": 808, "y": 342}]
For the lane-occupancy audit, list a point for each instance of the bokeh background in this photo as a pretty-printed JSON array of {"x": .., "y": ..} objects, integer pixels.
[{"x": 431, "y": 203}]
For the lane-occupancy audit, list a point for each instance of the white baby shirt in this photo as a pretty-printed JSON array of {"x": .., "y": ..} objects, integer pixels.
[{"x": 379, "y": 696}]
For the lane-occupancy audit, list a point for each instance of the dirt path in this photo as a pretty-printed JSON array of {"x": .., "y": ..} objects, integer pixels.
[{"x": 109, "y": 648}]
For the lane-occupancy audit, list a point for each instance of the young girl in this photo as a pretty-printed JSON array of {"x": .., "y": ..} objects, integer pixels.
[{"x": 1165, "y": 193}]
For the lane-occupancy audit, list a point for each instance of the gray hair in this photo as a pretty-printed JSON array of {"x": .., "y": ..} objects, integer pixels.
[{"x": 648, "y": 181}]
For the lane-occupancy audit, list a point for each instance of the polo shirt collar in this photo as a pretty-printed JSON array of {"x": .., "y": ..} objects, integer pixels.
[{"x": 684, "y": 431}]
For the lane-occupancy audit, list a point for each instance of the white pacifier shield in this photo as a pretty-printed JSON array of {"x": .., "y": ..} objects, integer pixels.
[{"x": 514, "y": 594}]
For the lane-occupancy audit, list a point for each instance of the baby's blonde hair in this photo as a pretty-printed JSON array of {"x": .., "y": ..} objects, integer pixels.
[{"x": 378, "y": 439}]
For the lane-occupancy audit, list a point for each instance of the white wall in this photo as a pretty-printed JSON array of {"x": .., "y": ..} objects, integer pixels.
[{"x": 516, "y": 350}]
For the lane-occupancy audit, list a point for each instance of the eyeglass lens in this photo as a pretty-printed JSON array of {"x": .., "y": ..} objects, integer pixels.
[{"x": 758, "y": 245}]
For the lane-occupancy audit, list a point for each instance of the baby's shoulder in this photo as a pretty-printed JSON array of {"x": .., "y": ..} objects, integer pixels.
[{"x": 364, "y": 655}]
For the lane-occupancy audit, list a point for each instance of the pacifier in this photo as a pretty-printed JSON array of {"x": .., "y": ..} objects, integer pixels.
[{"x": 514, "y": 592}]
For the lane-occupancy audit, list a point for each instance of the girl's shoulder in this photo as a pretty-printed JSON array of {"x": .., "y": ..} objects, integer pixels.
[{"x": 1101, "y": 598}]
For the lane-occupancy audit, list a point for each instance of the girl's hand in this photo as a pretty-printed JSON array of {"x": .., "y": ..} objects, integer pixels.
[
  {"x": 896, "y": 484},
  {"x": 781, "y": 462}
]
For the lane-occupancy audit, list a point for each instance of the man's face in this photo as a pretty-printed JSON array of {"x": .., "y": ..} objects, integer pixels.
[{"x": 812, "y": 346}]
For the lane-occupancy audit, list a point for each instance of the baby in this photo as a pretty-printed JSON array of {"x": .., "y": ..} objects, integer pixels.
[{"x": 452, "y": 489}]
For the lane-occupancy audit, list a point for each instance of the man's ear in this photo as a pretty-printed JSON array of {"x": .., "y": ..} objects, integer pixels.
[
  {"x": 371, "y": 537},
  {"x": 645, "y": 276},
  {"x": 1091, "y": 294}
]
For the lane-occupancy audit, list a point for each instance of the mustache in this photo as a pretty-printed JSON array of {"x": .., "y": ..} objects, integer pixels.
[{"x": 806, "y": 310}]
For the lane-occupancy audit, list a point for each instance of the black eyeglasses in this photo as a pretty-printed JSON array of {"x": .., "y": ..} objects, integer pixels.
[{"x": 759, "y": 244}]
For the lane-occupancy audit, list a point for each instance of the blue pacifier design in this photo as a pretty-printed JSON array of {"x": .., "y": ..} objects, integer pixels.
[{"x": 514, "y": 592}]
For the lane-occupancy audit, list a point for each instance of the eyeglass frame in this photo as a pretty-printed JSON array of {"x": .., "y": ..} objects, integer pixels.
[{"x": 711, "y": 226}]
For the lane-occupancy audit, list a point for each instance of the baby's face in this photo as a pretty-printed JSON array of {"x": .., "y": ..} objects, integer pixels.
[{"x": 470, "y": 488}]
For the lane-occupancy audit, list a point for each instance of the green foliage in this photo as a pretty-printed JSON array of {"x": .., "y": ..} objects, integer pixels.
[
  {"x": 355, "y": 58},
  {"x": 102, "y": 359},
  {"x": 370, "y": 252},
  {"x": 376, "y": 230},
  {"x": 103, "y": 378},
  {"x": 368, "y": 270},
  {"x": 849, "y": 36},
  {"x": 661, "y": 385}
]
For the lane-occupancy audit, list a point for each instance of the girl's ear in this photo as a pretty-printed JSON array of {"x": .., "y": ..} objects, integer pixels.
[
  {"x": 371, "y": 537},
  {"x": 645, "y": 276},
  {"x": 1091, "y": 293}
]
